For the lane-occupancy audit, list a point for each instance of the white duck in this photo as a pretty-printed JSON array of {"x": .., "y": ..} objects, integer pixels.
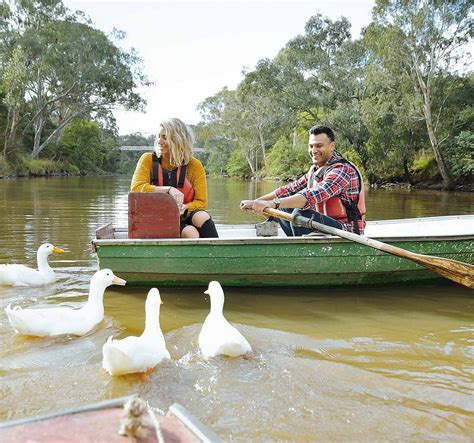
[
  {"x": 21, "y": 275},
  {"x": 138, "y": 354},
  {"x": 63, "y": 320},
  {"x": 218, "y": 336}
]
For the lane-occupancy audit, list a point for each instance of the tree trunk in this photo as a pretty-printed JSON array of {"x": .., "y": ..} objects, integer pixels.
[
  {"x": 10, "y": 134},
  {"x": 406, "y": 169},
  {"x": 434, "y": 144},
  {"x": 249, "y": 159},
  {"x": 262, "y": 146},
  {"x": 425, "y": 89},
  {"x": 38, "y": 125}
]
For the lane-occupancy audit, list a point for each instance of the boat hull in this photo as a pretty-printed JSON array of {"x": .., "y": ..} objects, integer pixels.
[{"x": 275, "y": 262}]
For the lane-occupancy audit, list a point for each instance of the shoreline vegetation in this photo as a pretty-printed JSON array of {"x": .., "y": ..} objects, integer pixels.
[
  {"x": 49, "y": 168},
  {"x": 400, "y": 98}
]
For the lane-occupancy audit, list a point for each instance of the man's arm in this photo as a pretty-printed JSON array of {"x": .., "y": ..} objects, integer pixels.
[
  {"x": 284, "y": 192},
  {"x": 247, "y": 205},
  {"x": 293, "y": 201}
]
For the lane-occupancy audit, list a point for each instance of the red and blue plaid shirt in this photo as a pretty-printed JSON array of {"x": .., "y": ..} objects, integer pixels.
[{"x": 339, "y": 179}]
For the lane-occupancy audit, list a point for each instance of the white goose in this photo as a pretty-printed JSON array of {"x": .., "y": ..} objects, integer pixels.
[
  {"x": 138, "y": 354},
  {"x": 21, "y": 275},
  {"x": 218, "y": 336},
  {"x": 62, "y": 320}
]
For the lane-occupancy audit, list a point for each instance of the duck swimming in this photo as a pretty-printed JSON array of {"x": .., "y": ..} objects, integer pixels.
[
  {"x": 218, "y": 336},
  {"x": 138, "y": 354},
  {"x": 21, "y": 275},
  {"x": 63, "y": 320}
]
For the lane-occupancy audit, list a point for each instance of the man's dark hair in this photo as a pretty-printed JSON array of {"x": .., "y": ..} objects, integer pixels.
[{"x": 316, "y": 130}]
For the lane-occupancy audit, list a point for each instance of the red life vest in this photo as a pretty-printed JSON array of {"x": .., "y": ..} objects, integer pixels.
[
  {"x": 334, "y": 207},
  {"x": 176, "y": 178}
]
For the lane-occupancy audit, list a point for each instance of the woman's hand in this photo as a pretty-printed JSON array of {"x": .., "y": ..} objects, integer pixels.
[
  {"x": 182, "y": 209},
  {"x": 177, "y": 195}
]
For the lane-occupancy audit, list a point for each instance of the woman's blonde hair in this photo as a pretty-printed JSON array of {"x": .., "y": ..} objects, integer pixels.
[{"x": 180, "y": 140}]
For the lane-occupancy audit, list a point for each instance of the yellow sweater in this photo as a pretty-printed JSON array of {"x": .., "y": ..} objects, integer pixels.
[{"x": 194, "y": 173}]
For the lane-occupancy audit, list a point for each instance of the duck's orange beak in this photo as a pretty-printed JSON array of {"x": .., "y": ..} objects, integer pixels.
[{"x": 55, "y": 249}]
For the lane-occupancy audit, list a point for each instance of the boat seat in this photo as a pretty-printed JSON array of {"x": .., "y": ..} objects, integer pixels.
[
  {"x": 267, "y": 228},
  {"x": 152, "y": 215}
]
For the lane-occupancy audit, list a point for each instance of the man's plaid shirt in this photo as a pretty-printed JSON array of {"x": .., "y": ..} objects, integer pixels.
[{"x": 339, "y": 179}]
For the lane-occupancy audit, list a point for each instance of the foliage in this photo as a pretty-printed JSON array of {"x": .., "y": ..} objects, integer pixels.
[
  {"x": 401, "y": 89},
  {"x": 417, "y": 41},
  {"x": 237, "y": 165},
  {"x": 424, "y": 168},
  {"x": 461, "y": 155},
  {"x": 50, "y": 76},
  {"x": 287, "y": 161},
  {"x": 81, "y": 145},
  {"x": 41, "y": 167}
]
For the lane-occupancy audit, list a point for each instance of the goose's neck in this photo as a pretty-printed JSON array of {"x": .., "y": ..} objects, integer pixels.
[
  {"x": 96, "y": 297},
  {"x": 43, "y": 265},
  {"x": 152, "y": 322},
  {"x": 217, "y": 304}
]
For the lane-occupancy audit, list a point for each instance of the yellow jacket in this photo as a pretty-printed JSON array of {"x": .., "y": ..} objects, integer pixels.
[{"x": 194, "y": 173}]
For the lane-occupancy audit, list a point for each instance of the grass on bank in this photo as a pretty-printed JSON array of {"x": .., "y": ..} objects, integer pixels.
[{"x": 36, "y": 168}]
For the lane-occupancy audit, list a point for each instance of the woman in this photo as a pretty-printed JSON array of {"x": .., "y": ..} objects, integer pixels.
[{"x": 172, "y": 169}]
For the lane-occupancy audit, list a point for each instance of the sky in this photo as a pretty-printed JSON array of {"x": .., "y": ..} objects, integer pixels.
[{"x": 193, "y": 49}]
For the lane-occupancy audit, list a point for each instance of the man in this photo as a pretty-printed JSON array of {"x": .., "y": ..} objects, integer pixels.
[{"x": 331, "y": 192}]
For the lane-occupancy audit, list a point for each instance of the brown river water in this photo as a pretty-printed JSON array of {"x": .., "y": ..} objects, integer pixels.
[{"x": 360, "y": 365}]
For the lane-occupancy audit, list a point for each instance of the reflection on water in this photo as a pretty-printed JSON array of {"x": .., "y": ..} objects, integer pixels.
[{"x": 382, "y": 363}]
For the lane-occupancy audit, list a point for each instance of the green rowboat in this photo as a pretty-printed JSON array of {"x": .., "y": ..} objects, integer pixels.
[{"x": 241, "y": 258}]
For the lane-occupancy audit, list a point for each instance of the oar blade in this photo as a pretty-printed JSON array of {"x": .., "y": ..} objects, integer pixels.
[{"x": 459, "y": 272}]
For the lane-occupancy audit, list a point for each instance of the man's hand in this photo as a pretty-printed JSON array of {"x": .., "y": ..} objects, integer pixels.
[
  {"x": 246, "y": 205},
  {"x": 260, "y": 205}
]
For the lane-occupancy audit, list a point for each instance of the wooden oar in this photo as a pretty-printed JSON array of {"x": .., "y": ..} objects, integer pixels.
[{"x": 462, "y": 273}]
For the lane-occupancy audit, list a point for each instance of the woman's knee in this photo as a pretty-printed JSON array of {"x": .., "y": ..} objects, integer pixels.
[
  {"x": 199, "y": 218},
  {"x": 189, "y": 232}
]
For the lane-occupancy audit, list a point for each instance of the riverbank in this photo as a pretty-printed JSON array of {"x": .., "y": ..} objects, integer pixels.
[
  {"x": 461, "y": 187},
  {"x": 48, "y": 168},
  {"x": 44, "y": 168},
  {"x": 36, "y": 168}
]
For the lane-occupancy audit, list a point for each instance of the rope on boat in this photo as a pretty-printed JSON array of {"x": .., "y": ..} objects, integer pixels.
[
  {"x": 156, "y": 423},
  {"x": 131, "y": 424}
]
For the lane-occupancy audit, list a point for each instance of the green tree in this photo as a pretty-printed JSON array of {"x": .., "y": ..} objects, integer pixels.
[
  {"x": 72, "y": 69},
  {"x": 237, "y": 166},
  {"x": 288, "y": 161},
  {"x": 419, "y": 40},
  {"x": 461, "y": 155},
  {"x": 81, "y": 145}
]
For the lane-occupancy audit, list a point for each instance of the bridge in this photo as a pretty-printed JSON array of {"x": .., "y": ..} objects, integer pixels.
[{"x": 148, "y": 148}]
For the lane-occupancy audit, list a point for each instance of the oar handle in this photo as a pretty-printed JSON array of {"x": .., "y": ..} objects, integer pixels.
[{"x": 311, "y": 224}]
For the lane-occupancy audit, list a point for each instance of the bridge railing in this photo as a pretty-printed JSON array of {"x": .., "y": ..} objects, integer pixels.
[{"x": 147, "y": 148}]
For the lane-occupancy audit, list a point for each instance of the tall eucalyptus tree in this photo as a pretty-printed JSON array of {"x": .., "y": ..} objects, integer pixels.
[
  {"x": 419, "y": 40},
  {"x": 68, "y": 69}
]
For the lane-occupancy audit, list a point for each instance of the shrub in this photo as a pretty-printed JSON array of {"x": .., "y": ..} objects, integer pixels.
[
  {"x": 460, "y": 155},
  {"x": 287, "y": 162},
  {"x": 237, "y": 165},
  {"x": 425, "y": 169}
]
